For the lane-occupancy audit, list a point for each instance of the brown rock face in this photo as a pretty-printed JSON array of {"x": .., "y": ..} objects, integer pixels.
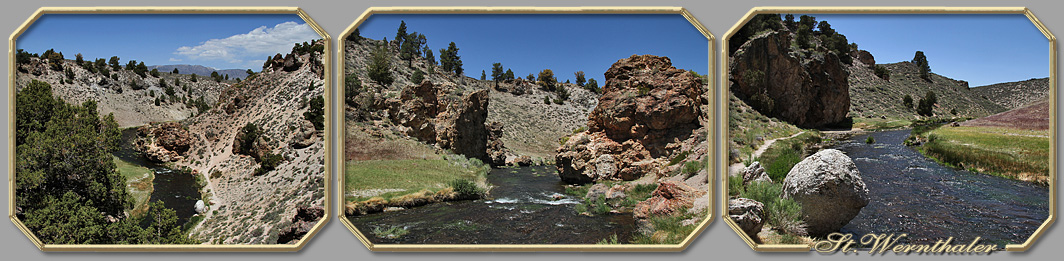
[
  {"x": 164, "y": 142},
  {"x": 646, "y": 105},
  {"x": 864, "y": 57},
  {"x": 302, "y": 222},
  {"x": 667, "y": 198},
  {"x": 417, "y": 109},
  {"x": 809, "y": 93},
  {"x": 461, "y": 128}
]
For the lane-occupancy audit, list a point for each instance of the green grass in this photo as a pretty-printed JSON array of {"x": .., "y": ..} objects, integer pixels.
[
  {"x": 139, "y": 181},
  {"x": 410, "y": 175},
  {"x": 880, "y": 124},
  {"x": 784, "y": 154},
  {"x": 1012, "y": 153},
  {"x": 669, "y": 229},
  {"x": 392, "y": 232},
  {"x": 783, "y": 214}
]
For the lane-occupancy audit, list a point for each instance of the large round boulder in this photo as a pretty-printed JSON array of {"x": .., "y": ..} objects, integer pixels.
[{"x": 829, "y": 188}]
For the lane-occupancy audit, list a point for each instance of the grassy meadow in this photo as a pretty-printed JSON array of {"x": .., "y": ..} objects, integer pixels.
[{"x": 1013, "y": 153}]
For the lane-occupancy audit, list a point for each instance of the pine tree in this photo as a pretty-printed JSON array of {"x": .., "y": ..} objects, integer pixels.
[
  {"x": 921, "y": 64},
  {"x": 380, "y": 68},
  {"x": 497, "y": 73},
  {"x": 580, "y": 78},
  {"x": 400, "y": 34}
]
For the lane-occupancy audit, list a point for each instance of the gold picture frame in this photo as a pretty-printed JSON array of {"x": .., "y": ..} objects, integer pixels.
[
  {"x": 722, "y": 148},
  {"x": 326, "y": 60},
  {"x": 516, "y": 10}
]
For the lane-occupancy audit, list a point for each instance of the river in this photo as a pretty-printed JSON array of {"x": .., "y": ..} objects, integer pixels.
[
  {"x": 520, "y": 209},
  {"x": 177, "y": 189},
  {"x": 913, "y": 194}
]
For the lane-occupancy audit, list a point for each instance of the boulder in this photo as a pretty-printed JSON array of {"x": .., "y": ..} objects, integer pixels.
[
  {"x": 291, "y": 63},
  {"x": 748, "y": 214},
  {"x": 667, "y": 199},
  {"x": 864, "y": 57},
  {"x": 200, "y": 207},
  {"x": 304, "y": 136},
  {"x": 829, "y": 188},
  {"x": 809, "y": 92},
  {"x": 755, "y": 172}
]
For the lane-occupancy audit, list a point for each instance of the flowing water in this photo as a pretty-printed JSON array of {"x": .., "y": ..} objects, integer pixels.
[
  {"x": 913, "y": 194},
  {"x": 521, "y": 209},
  {"x": 177, "y": 189}
]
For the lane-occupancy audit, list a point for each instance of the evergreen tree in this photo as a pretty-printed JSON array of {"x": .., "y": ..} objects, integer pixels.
[
  {"x": 175, "y": 71},
  {"x": 927, "y": 104},
  {"x": 547, "y": 80},
  {"x": 417, "y": 77},
  {"x": 155, "y": 72},
  {"x": 354, "y": 37},
  {"x": 430, "y": 57},
  {"x": 380, "y": 68},
  {"x": 592, "y": 86},
  {"x": 483, "y": 76},
  {"x": 509, "y": 75},
  {"x": 79, "y": 59},
  {"x": 907, "y": 101},
  {"x": 114, "y": 62},
  {"x": 497, "y": 73},
  {"x": 531, "y": 77},
  {"x": 921, "y": 64},
  {"x": 450, "y": 61},
  {"x": 316, "y": 112},
  {"x": 400, "y": 34},
  {"x": 580, "y": 78}
]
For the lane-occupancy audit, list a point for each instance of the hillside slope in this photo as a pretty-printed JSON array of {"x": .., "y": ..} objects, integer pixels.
[
  {"x": 130, "y": 97},
  {"x": 871, "y": 96},
  {"x": 1013, "y": 95},
  {"x": 1034, "y": 116},
  {"x": 247, "y": 207},
  {"x": 530, "y": 127}
]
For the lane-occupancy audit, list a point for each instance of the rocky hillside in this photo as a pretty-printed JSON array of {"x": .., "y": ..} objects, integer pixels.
[
  {"x": 129, "y": 96},
  {"x": 1013, "y": 95},
  {"x": 515, "y": 111},
  {"x": 250, "y": 201},
  {"x": 872, "y": 96}
]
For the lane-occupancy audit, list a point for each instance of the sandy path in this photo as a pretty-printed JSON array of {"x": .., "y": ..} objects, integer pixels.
[{"x": 735, "y": 169}]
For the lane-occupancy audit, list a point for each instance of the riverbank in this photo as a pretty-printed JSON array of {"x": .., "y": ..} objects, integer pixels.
[
  {"x": 1006, "y": 152},
  {"x": 139, "y": 183},
  {"x": 372, "y": 185}
]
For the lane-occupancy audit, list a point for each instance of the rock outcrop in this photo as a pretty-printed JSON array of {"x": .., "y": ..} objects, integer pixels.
[
  {"x": 748, "y": 214},
  {"x": 808, "y": 92},
  {"x": 755, "y": 172},
  {"x": 302, "y": 223},
  {"x": 163, "y": 142},
  {"x": 829, "y": 188},
  {"x": 646, "y": 105},
  {"x": 666, "y": 199},
  {"x": 459, "y": 126},
  {"x": 864, "y": 57}
]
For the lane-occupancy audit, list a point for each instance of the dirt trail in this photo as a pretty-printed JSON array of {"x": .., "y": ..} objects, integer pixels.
[{"x": 735, "y": 169}]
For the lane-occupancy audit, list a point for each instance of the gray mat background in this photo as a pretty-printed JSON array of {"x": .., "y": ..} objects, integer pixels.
[{"x": 335, "y": 242}]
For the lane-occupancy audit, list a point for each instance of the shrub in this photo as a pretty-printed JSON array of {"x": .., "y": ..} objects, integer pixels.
[
  {"x": 907, "y": 101},
  {"x": 316, "y": 113},
  {"x": 155, "y": 72},
  {"x": 269, "y": 163},
  {"x": 418, "y": 77},
  {"x": 466, "y": 189},
  {"x": 870, "y": 139},
  {"x": 779, "y": 167},
  {"x": 882, "y": 73}
]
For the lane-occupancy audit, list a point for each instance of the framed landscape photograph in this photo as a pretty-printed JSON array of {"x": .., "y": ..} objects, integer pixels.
[
  {"x": 584, "y": 129},
  {"x": 176, "y": 129},
  {"x": 925, "y": 127}
]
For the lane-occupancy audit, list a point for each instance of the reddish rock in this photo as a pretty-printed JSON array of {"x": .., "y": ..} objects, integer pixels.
[
  {"x": 303, "y": 221},
  {"x": 665, "y": 200}
]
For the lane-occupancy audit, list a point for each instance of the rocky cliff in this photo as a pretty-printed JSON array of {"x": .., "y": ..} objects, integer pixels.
[{"x": 807, "y": 89}]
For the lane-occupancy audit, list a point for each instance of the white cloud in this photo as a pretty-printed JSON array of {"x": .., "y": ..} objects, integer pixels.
[
  {"x": 172, "y": 59},
  {"x": 258, "y": 43}
]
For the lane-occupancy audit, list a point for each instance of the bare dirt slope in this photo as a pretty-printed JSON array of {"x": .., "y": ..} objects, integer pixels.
[
  {"x": 871, "y": 96},
  {"x": 1032, "y": 117},
  {"x": 248, "y": 208}
]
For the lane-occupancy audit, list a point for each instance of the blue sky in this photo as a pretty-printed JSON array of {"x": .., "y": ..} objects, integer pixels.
[
  {"x": 982, "y": 49},
  {"x": 564, "y": 43},
  {"x": 222, "y": 41}
]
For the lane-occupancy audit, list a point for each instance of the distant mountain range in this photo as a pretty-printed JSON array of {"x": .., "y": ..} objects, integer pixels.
[{"x": 200, "y": 70}]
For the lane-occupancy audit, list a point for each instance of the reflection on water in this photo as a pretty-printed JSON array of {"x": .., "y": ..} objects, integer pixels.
[
  {"x": 521, "y": 209},
  {"x": 913, "y": 194},
  {"x": 177, "y": 189}
]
